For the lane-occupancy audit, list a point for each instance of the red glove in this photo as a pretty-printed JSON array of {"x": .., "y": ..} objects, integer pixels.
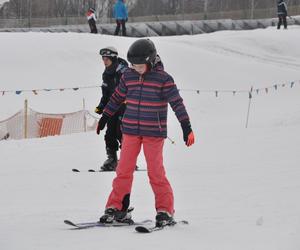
[
  {"x": 190, "y": 140},
  {"x": 188, "y": 135}
]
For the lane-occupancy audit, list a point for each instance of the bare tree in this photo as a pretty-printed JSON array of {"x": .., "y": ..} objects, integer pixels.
[
  {"x": 61, "y": 8},
  {"x": 253, "y": 4},
  {"x": 18, "y": 8}
]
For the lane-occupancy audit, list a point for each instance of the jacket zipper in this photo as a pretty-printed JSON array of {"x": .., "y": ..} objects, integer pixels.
[
  {"x": 141, "y": 79},
  {"x": 159, "y": 123}
]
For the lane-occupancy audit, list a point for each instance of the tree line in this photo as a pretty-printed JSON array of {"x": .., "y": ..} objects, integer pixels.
[{"x": 63, "y": 8}]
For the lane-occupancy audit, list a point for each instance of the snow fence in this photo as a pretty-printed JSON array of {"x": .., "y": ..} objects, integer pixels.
[{"x": 28, "y": 123}]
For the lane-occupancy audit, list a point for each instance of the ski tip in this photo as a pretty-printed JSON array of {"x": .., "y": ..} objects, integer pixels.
[
  {"x": 141, "y": 229},
  {"x": 92, "y": 170},
  {"x": 185, "y": 222},
  {"x": 75, "y": 170},
  {"x": 69, "y": 223}
]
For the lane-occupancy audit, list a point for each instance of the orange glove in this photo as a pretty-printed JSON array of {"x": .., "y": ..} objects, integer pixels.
[
  {"x": 188, "y": 135},
  {"x": 190, "y": 140}
]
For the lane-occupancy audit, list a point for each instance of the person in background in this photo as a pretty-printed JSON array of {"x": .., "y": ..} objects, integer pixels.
[
  {"x": 148, "y": 90},
  {"x": 114, "y": 68},
  {"x": 121, "y": 15},
  {"x": 282, "y": 13},
  {"x": 91, "y": 17}
]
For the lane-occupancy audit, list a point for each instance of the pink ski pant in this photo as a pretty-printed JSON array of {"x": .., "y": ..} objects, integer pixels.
[{"x": 122, "y": 183}]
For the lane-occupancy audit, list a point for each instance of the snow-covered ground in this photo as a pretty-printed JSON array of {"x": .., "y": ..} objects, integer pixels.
[{"x": 237, "y": 187}]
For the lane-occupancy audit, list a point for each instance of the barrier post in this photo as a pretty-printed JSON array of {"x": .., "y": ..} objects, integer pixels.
[
  {"x": 25, "y": 118},
  {"x": 249, "y": 105},
  {"x": 84, "y": 117}
]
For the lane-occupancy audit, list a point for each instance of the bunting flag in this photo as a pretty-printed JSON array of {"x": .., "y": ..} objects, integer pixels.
[{"x": 216, "y": 92}]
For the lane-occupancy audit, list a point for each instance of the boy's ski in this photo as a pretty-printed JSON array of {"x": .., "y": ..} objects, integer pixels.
[
  {"x": 86, "y": 225},
  {"x": 145, "y": 229}
]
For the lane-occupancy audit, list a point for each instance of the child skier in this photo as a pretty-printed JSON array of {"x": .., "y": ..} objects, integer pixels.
[
  {"x": 282, "y": 13},
  {"x": 114, "y": 68},
  {"x": 91, "y": 17},
  {"x": 147, "y": 90}
]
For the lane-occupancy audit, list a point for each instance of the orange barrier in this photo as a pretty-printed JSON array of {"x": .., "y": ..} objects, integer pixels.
[{"x": 50, "y": 126}]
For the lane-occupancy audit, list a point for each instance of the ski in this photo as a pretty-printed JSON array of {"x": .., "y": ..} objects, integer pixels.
[
  {"x": 145, "y": 229},
  {"x": 97, "y": 171},
  {"x": 86, "y": 225}
]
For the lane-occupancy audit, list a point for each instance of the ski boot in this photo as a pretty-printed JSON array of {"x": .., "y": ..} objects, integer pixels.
[
  {"x": 164, "y": 219},
  {"x": 112, "y": 161},
  {"x": 114, "y": 215}
]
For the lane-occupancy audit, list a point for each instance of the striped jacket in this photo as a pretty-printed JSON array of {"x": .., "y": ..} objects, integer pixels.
[{"x": 147, "y": 97}]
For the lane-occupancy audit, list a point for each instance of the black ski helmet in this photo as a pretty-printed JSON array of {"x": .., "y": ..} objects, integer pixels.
[{"x": 142, "y": 51}]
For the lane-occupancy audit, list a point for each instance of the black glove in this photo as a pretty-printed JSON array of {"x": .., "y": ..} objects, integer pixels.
[
  {"x": 102, "y": 122},
  {"x": 186, "y": 129}
]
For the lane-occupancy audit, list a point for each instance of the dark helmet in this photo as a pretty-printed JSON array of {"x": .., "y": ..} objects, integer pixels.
[
  {"x": 92, "y": 10},
  {"x": 109, "y": 52},
  {"x": 142, "y": 51}
]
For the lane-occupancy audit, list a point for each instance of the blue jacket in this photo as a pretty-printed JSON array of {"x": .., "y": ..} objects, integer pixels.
[
  {"x": 120, "y": 11},
  {"x": 147, "y": 99}
]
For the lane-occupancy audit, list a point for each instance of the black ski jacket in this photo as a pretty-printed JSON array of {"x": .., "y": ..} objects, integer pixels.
[
  {"x": 110, "y": 80},
  {"x": 282, "y": 8}
]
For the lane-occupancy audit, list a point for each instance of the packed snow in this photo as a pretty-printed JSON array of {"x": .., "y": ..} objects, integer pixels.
[{"x": 237, "y": 186}]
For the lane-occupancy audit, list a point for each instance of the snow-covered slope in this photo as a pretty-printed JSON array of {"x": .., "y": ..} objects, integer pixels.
[{"x": 238, "y": 187}]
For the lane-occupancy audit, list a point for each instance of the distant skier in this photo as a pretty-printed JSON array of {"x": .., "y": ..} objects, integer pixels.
[
  {"x": 121, "y": 15},
  {"x": 91, "y": 17},
  {"x": 147, "y": 90},
  {"x": 282, "y": 13},
  {"x": 114, "y": 67}
]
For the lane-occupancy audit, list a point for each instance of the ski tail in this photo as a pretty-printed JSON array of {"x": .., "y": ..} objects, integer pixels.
[{"x": 145, "y": 229}]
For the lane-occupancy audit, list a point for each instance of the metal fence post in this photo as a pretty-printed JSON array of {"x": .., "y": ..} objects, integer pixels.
[
  {"x": 249, "y": 104},
  {"x": 25, "y": 118}
]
